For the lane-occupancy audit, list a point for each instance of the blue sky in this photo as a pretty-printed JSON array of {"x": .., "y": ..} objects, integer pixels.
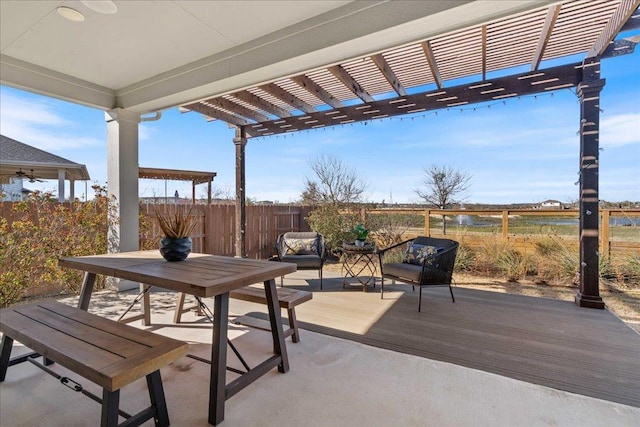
[{"x": 523, "y": 151}]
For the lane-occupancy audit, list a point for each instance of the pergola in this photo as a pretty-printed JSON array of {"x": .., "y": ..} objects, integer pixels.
[
  {"x": 317, "y": 64},
  {"x": 196, "y": 177},
  {"x": 412, "y": 78}
]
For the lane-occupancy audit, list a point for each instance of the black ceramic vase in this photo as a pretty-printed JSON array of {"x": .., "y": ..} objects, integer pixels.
[{"x": 175, "y": 249}]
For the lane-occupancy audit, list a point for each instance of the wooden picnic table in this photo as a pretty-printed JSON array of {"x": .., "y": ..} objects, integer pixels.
[{"x": 201, "y": 275}]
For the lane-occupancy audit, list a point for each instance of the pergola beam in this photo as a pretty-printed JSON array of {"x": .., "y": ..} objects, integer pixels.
[
  {"x": 388, "y": 74},
  {"x": 487, "y": 91},
  {"x": 216, "y": 114},
  {"x": 288, "y": 98},
  {"x": 261, "y": 104},
  {"x": 626, "y": 8},
  {"x": 317, "y": 91},
  {"x": 341, "y": 74},
  {"x": 433, "y": 65},
  {"x": 545, "y": 35},
  {"x": 484, "y": 52},
  {"x": 238, "y": 109}
]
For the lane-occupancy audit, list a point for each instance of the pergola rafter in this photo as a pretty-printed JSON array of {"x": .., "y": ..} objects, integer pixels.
[
  {"x": 351, "y": 83},
  {"x": 261, "y": 104},
  {"x": 433, "y": 64},
  {"x": 287, "y": 97},
  {"x": 549, "y": 23},
  {"x": 388, "y": 74},
  {"x": 317, "y": 90}
]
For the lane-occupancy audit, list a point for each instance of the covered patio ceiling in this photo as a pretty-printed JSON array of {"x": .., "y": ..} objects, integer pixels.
[
  {"x": 153, "y": 55},
  {"x": 417, "y": 77}
]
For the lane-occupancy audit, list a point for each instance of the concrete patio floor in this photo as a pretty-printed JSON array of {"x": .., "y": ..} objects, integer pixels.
[{"x": 332, "y": 382}]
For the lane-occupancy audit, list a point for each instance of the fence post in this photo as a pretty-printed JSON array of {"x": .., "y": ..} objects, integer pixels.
[
  {"x": 427, "y": 226},
  {"x": 505, "y": 226},
  {"x": 605, "y": 232}
]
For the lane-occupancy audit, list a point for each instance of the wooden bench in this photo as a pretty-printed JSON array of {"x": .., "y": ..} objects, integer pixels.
[
  {"x": 287, "y": 299},
  {"x": 108, "y": 353}
]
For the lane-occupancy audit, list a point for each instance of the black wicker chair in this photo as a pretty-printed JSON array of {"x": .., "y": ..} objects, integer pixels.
[
  {"x": 423, "y": 261},
  {"x": 305, "y": 249}
]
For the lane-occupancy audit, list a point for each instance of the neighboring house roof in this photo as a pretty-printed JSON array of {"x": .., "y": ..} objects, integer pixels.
[{"x": 17, "y": 156}]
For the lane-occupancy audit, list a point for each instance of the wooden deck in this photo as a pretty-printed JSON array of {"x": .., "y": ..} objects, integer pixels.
[{"x": 542, "y": 341}]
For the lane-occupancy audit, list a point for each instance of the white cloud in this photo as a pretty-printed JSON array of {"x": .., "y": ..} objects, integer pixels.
[
  {"x": 38, "y": 123},
  {"x": 621, "y": 129}
]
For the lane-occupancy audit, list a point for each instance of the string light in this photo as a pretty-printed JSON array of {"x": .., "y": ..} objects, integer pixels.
[{"x": 502, "y": 102}]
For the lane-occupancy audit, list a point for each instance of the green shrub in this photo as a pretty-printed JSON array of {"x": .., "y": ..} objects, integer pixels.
[
  {"x": 336, "y": 227},
  {"x": 547, "y": 245},
  {"x": 631, "y": 268},
  {"x": 486, "y": 255},
  {"x": 511, "y": 263},
  {"x": 464, "y": 259}
]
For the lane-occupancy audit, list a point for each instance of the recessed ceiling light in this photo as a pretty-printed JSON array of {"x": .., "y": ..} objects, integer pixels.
[
  {"x": 101, "y": 6},
  {"x": 70, "y": 14}
]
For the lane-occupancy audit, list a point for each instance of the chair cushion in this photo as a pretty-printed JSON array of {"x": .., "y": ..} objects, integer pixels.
[
  {"x": 300, "y": 246},
  {"x": 304, "y": 261},
  {"x": 403, "y": 270},
  {"x": 417, "y": 253}
]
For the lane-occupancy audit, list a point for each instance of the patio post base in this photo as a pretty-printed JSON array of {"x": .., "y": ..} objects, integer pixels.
[{"x": 589, "y": 301}]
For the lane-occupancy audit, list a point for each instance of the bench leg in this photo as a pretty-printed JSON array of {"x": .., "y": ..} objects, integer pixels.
[
  {"x": 177, "y": 315},
  {"x": 156, "y": 394},
  {"x": 293, "y": 324},
  {"x": 110, "y": 403},
  {"x": 5, "y": 353},
  {"x": 146, "y": 304}
]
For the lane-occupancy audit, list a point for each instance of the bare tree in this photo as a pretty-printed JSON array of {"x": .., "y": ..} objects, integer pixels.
[
  {"x": 335, "y": 183},
  {"x": 223, "y": 193},
  {"x": 310, "y": 195},
  {"x": 334, "y": 187},
  {"x": 443, "y": 186}
]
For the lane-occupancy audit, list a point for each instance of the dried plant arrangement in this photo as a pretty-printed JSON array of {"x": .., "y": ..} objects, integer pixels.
[{"x": 176, "y": 226}]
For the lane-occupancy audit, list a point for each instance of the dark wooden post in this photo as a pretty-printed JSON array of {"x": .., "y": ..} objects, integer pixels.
[
  {"x": 589, "y": 92},
  {"x": 240, "y": 141}
]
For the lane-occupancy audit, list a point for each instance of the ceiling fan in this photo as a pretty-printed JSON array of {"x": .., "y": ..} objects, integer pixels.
[{"x": 23, "y": 175}]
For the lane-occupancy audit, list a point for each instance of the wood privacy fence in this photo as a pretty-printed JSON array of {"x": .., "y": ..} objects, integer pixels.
[
  {"x": 215, "y": 232},
  {"x": 619, "y": 228}
]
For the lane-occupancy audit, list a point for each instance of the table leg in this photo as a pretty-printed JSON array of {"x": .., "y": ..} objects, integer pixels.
[
  {"x": 217, "y": 380},
  {"x": 279, "y": 346},
  {"x": 86, "y": 291}
]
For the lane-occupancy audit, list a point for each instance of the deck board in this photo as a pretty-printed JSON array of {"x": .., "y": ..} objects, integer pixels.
[{"x": 542, "y": 341}]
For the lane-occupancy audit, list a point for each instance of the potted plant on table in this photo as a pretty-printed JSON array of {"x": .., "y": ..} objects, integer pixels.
[
  {"x": 177, "y": 227},
  {"x": 361, "y": 234}
]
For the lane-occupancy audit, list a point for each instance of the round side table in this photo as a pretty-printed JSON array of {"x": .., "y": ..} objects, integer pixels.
[{"x": 358, "y": 262}]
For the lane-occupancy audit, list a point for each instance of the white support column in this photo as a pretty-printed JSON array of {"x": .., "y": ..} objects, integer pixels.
[
  {"x": 122, "y": 181},
  {"x": 61, "y": 176},
  {"x": 72, "y": 190}
]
